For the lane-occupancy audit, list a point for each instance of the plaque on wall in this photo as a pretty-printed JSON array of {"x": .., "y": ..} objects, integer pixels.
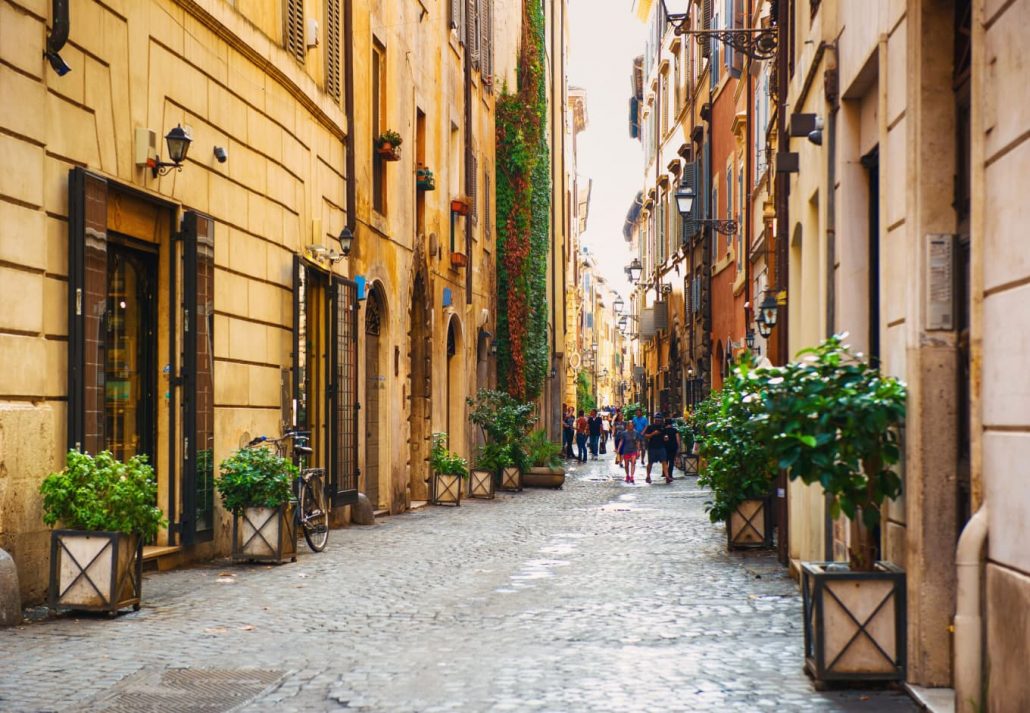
[{"x": 940, "y": 282}]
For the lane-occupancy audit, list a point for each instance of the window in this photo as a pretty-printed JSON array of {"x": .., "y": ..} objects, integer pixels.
[
  {"x": 332, "y": 48},
  {"x": 740, "y": 220},
  {"x": 293, "y": 28},
  {"x": 715, "y": 212},
  {"x": 378, "y": 120},
  {"x": 729, "y": 200},
  {"x": 486, "y": 24},
  {"x": 660, "y": 239}
]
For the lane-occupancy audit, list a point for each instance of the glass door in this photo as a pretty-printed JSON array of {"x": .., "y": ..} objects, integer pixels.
[{"x": 129, "y": 352}]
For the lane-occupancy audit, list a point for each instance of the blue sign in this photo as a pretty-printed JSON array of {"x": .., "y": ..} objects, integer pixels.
[
  {"x": 447, "y": 300},
  {"x": 359, "y": 280}
]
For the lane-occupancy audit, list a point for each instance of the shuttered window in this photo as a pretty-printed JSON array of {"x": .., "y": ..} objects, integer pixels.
[
  {"x": 472, "y": 31},
  {"x": 454, "y": 15},
  {"x": 332, "y": 48},
  {"x": 486, "y": 24},
  {"x": 487, "y": 198},
  {"x": 293, "y": 28}
]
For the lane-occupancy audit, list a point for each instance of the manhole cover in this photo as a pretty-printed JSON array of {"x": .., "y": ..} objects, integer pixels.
[{"x": 184, "y": 690}]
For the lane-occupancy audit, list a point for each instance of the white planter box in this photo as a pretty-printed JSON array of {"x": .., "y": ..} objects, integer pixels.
[
  {"x": 481, "y": 484},
  {"x": 854, "y": 622},
  {"x": 749, "y": 525},
  {"x": 265, "y": 535},
  {"x": 511, "y": 479},
  {"x": 446, "y": 489},
  {"x": 95, "y": 571}
]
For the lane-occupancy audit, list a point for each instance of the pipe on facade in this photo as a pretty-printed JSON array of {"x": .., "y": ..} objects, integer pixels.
[
  {"x": 58, "y": 36},
  {"x": 968, "y": 663},
  {"x": 348, "y": 57}
]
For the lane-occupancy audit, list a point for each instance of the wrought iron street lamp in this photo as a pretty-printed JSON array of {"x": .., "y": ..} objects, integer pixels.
[
  {"x": 618, "y": 304},
  {"x": 685, "y": 202},
  {"x": 764, "y": 328},
  {"x": 346, "y": 239},
  {"x": 178, "y": 140},
  {"x": 635, "y": 268},
  {"x": 769, "y": 308},
  {"x": 750, "y": 339},
  {"x": 757, "y": 43}
]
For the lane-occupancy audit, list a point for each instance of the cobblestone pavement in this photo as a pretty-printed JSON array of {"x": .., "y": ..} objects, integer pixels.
[{"x": 598, "y": 597}]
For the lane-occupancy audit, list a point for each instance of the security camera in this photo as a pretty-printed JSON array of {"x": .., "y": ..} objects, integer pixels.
[{"x": 221, "y": 154}]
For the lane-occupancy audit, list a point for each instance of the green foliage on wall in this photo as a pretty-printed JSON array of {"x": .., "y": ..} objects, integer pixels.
[
  {"x": 584, "y": 392},
  {"x": 523, "y": 219}
]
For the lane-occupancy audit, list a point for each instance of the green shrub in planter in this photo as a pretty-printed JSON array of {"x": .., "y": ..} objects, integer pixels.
[
  {"x": 494, "y": 457},
  {"x": 736, "y": 462},
  {"x": 505, "y": 421},
  {"x": 832, "y": 418},
  {"x": 100, "y": 493},
  {"x": 255, "y": 478},
  {"x": 446, "y": 462},
  {"x": 541, "y": 451}
]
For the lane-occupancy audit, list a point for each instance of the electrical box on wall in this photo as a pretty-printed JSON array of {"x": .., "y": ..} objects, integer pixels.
[
  {"x": 940, "y": 282},
  {"x": 145, "y": 146},
  {"x": 311, "y": 38}
]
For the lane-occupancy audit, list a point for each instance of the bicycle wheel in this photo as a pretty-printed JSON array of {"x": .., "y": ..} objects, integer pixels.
[{"x": 314, "y": 513}]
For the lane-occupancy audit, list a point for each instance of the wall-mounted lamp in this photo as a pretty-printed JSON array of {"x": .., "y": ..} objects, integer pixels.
[
  {"x": 750, "y": 339},
  {"x": 618, "y": 304},
  {"x": 635, "y": 268},
  {"x": 221, "y": 154},
  {"x": 178, "y": 140},
  {"x": 666, "y": 289},
  {"x": 346, "y": 239}
]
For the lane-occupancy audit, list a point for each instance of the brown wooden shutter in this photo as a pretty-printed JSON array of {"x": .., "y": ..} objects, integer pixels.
[
  {"x": 739, "y": 22},
  {"x": 87, "y": 309},
  {"x": 706, "y": 24},
  {"x": 486, "y": 24},
  {"x": 332, "y": 48},
  {"x": 455, "y": 15},
  {"x": 472, "y": 28},
  {"x": 293, "y": 28}
]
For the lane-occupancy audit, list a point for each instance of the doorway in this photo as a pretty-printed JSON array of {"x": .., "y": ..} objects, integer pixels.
[
  {"x": 130, "y": 351},
  {"x": 375, "y": 382}
]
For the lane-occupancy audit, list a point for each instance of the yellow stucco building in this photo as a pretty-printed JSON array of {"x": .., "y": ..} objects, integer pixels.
[{"x": 177, "y": 311}]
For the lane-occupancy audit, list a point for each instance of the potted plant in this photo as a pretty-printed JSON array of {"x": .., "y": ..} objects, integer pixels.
[
  {"x": 106, "y": 510},
  {"x": 255, "y": 488},
  {"x": 736, "y": 466},
  {"x": 459, "y": 259},
  {"x": 832, "y": 418},
  {"x": 505, "y": 422},
  {"x": 544, "y": 457},
  {"x": 424, "y": 179},
  {"x": 461, "y": 205},
  {"x": 448, "y": 470},
  {"x": 388, "y": 145}
]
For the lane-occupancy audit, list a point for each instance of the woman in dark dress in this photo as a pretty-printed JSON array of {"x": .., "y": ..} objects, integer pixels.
[
  {"x": 671, "y": 438},
  {"x": 654, "y": 440}
]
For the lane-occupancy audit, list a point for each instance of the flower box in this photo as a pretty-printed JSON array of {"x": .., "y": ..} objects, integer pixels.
[
  {"x": 424, "y": 179},
  {"x": 95, "y": 571},
  {"x": 461, "y": 206},
  {"x": 855, "y": 624},
  {"x": 459, "y": 260},
  {"x": 389, "y": 152},
  {"x": 265, "y": 534},
  {"x": 543, "y": 478}
]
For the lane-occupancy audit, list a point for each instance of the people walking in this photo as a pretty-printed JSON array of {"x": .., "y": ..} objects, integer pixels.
[
  {"x": 618, "y": 433},
  {"x": 671, "y": 439},
  {"x": 568, "y": 432},
  {"x": 639, "y": 424},
  {"x": 628, "y": 452},
  {"x": 606, "y": 429},
  {"x": 594, "y": 426},
  {"x": 582, "y": 429},
  {"x": 655, "y": 445}
]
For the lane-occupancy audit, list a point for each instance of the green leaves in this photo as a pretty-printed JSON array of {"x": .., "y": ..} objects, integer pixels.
[
  {"x": 101, "y": 493},
  {"x": 255, "y": 477},
  {"x": 541, "y": 451},
  {"x": 445, "y": 462}
]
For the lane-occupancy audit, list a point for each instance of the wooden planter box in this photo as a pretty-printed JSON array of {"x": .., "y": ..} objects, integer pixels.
[
  {"x": 459, "y": 207},
  {"x": 481, "y": 484},
  {"x": 265, "y": 535},
  {"x": 446, "y": 489},
  {"x": 750, "y": 525},
  {"x": 95, "y": 571},
  {"x": 543, "y": 478},
  {"x": 511, "y": 479},
  {"x": 855, "y": 622},
  {"x": 459, "y": 260}
]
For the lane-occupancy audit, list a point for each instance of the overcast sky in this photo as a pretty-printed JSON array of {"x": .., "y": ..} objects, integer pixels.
[{"x": 604, "y": 37}]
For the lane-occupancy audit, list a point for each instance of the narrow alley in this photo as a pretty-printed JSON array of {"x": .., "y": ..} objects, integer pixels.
[{"x": 597, "y": 597}]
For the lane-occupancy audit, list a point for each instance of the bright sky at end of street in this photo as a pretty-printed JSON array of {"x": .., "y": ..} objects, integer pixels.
[{"x": 605, "y": 36}]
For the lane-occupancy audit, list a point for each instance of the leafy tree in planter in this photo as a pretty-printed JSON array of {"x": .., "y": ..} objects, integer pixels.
[
  {"x": 736, "y": 462},
  {"x": 445, "y": 462},
  {"x": 505, "y": 421},
  {"x": 255, "y": 478},
  {"x": 832, "y": 418}
]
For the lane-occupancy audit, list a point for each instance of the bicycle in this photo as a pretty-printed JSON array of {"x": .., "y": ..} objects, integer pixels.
[{"x": 312, "y": 511}]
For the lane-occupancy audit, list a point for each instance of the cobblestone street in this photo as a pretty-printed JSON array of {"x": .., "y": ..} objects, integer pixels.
[{"x": 598, "y": 597}]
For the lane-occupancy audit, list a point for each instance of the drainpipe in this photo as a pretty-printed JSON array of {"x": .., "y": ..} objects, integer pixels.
[
  {"x": 968, "y": 619},
  {"x": 348, "y": 58},
  {"x": 58, "y": 37}
]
